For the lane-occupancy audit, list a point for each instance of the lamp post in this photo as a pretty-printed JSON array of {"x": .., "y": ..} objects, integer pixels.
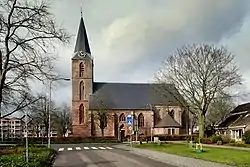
[
  {"x": 152, "y": 125},
  {"x": 50, "y": 90}
]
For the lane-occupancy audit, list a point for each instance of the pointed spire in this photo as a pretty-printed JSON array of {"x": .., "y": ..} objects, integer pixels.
[{"x": 82, "y": 43}]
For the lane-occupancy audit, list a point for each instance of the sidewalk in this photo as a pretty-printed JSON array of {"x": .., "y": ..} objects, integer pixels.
[
  {"x": 212, "y": 145},
  {"x": 175, "y": 160}
]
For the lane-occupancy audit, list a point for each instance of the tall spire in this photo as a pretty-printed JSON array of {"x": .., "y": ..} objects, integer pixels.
[{"x": 82, "y": 43}]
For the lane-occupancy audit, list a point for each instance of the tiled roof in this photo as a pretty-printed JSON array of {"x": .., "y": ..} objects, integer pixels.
[
  {"x": 130, "y": 96},
  {"x": 168, "y": 122},
  {"x": 242, "y": 121},
  {"x": 241, "y": 108}
]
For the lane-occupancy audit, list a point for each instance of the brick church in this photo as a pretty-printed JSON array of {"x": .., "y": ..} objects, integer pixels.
[{"x": 152, "y": 111}]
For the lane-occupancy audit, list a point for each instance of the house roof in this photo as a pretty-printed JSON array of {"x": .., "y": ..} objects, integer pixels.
[
  {"x": 168, "y": 122},
  {"x": 130, "y": 96},
  {"x": 243, "y": 120},
  {"x": 241, "y": 108},
  {"x": 229, "y": 120}
]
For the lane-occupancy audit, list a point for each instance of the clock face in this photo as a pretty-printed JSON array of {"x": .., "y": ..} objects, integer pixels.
[{"x": 82, "y": 54}]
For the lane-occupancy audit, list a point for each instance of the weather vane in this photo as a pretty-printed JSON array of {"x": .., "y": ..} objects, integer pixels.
[{"x": 81, "y": 11}]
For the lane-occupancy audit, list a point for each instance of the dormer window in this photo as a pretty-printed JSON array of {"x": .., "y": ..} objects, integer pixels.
[{"x": 81, "y": 69}]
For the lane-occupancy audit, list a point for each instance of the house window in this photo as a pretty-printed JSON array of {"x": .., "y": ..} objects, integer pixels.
[
  {"x": 122, "y": 118},
  {"x": 169, "y": 131},
  {"x": 171, "y": 113},
  {"x": 81, "y": 90},
  {"x": 81, "y": 114},
  {"x": 81, "y": 69},
  {"x": 140, "y": 120},
  {"x": 173, "y": 131}
]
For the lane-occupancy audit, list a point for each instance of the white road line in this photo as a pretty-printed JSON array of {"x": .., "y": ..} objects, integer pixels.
[
  {"x": 94, "y": 148},
  {"x": 60, "y": 149},
  {"x": 78, "y": 148},
  {"x": 85, "y": 148},
  {"x": 102, "y": 148},
  {"x": 69, "y": 149},
  {"x": 109, "y": 148}
]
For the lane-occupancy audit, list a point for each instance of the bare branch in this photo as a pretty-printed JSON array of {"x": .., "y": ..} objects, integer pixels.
[
  {"x": 200, "y": 73},
  {"x": 28, "y": 38}
]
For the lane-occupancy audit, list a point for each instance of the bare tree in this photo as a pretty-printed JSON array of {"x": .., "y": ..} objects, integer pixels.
[
  {"x": 39, "y": 111},
  {"x": 220, "y": 108},
  {"x": 199, "y": 73},
  {"x": 28, "y": 34},
  {"x": 101, "y": 114},
  {"x": 62, "y": 119}
]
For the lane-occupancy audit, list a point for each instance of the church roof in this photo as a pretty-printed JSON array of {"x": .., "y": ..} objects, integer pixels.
[
  {"x": 168, "y": 122},
  {"x": 130, "y": 96},
  {"x": 82, "y": 43}
]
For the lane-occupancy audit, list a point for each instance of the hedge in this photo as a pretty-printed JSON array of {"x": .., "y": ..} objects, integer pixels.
[
  {"x": 164, "y": 137},
  {"x": 65, "y": 140}
]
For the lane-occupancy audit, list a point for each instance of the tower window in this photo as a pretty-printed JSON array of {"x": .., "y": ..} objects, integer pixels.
[
  {"x": 81, "y": 114},
  {"x": 81, "y": 91},
  {"x": 81, "y": 69}
]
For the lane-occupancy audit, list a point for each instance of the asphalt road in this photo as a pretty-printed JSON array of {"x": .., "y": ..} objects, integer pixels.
[{"x": 100, "y": 155}]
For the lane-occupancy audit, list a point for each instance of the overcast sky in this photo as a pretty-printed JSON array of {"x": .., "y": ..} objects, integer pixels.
[{"x": 129, "y": 39}]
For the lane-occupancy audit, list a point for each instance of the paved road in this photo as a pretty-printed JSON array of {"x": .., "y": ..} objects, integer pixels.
[{"x": 99, "y": 155}]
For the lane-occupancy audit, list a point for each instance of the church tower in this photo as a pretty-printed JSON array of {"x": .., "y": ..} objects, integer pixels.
[{"x": 82, "y": 83}]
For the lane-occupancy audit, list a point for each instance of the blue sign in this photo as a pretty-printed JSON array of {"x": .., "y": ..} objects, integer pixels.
[{"x": 129, "y": 120}]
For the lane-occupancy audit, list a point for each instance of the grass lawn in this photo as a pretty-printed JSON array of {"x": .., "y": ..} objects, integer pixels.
[{"x": 238, "y": 158}]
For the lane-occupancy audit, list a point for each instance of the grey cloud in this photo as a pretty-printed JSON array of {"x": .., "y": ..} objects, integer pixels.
[{"x": 129, "y": 39}]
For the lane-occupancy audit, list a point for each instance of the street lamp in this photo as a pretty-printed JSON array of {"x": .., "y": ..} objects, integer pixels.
[
  {"x": 50, "y": 90},
  {"x": 152, "y": 113}
]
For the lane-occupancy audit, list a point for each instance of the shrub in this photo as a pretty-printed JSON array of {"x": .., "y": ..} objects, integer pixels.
[
  {"x": 38, "y": 157},
  {"x": 215, "y": 139},
  {"x": 206, "y": 141},
  {"x": 238, "y": 144},
  {"x": 225, "y": 139},
  {"x": 232, "y": 141},
  {"x": 219, "y": 142},
  {"x": 246, "y": 137}
]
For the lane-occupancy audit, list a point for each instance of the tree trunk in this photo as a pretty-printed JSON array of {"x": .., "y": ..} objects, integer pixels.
[
  {"x": 201, "y": 126},
  {"x": 102, "y": 132}
]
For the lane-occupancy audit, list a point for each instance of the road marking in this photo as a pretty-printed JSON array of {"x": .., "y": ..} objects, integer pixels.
[
  {"x": 102, "y": 148},
  {"x": 109, "y": 148},
  {"x": 61, "y": 149},
  {"x": 78, "y": 148},
  {"x": 85, "y": 148},
  {"x": 94, "y": 148},
  {"x": 69, "y": 149}
]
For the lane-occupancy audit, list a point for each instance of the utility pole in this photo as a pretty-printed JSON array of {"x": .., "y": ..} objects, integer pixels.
[
  {"x": 26, "y": 137},
  {"x": 50, "y": 90}
]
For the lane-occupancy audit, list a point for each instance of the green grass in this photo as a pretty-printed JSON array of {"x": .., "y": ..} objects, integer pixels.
[{"x": 238, "y": 158}]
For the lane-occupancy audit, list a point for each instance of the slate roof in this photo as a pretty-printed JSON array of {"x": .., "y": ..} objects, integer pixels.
[
  {"x": 82, "y": 43},
  {"x": 168, "y": 122},
  {"x": 130, "y": 96}
]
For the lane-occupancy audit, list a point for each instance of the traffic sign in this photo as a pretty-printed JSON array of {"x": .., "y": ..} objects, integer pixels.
[{"x": 129, "y": 120}]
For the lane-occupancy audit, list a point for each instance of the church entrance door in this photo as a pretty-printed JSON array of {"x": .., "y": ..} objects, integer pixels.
[{"x": 122, "y": 135}]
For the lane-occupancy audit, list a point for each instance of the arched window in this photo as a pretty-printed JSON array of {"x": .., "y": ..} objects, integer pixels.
[
  {"x": 81, "y": 114},
  {"x": 171, "y": 113},
  {"x": 81, "y": 90},
  {"x": 140, "y": 120},
  {"x": 81, "y": 69},
  {"x": 122, "y": 118}
]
